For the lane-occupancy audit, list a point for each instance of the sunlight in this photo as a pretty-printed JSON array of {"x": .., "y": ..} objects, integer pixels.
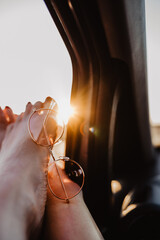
[
  {"x": 34, "y": 61},
  {"x": 65, "y": 111},
  {"x": 115, "y": 186},
  {"x": 128, "y": 209}
]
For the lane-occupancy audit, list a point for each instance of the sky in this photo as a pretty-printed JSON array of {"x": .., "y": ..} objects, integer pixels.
[
  {"x": 34, "y": 62},
  {"x": 153, "y": 58}
]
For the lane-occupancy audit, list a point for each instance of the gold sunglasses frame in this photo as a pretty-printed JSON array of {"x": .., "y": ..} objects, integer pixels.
[{"x": 54, "y": 160}]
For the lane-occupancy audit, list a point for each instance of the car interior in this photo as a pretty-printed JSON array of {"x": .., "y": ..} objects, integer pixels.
[{"x": 111, "y": 137}]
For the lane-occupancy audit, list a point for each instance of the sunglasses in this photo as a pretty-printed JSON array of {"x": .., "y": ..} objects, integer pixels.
[{"x": 65, "y": 176}]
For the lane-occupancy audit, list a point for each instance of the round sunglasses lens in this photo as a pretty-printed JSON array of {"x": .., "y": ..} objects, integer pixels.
[
  {"x": 45, "y": 128},
  {"x": 65, "y": 178}
]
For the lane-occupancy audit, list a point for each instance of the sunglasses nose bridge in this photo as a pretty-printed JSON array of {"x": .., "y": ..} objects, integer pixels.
[{"x": 51, "y": 153}]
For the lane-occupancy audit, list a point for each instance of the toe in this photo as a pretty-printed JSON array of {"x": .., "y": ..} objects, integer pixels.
[
  {"x": 28, "y": 109},
  {"x": 50, "y": 103},
  {"x": 38, "y": 105},
  {"x": 10, "y": 117}
]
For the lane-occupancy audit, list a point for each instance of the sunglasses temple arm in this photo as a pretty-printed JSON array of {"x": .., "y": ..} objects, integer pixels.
[{"x": 64, "y": 189}]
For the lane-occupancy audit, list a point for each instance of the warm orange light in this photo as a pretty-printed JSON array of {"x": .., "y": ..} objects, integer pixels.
[
  {"x": 115, "y": 186},
  {"x": 66, "y": 180},
  {"x": 7, "y": 118},
  {"x": 41, "y": 112},
  {"x": 51, "y": 140},
  {"x": 65, "y": 111},
  {"x": 127, "y": 206},
  {"x": 128, "y": 209},
  {"x": 91, "y": 129}
]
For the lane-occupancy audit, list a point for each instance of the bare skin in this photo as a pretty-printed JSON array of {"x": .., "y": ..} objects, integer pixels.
[
  {"x": 23, "y": 189},
  {"x": 69, "y": 221},
  {"x": 23, "y": 180},
  {"x": 6, "y": 117}
]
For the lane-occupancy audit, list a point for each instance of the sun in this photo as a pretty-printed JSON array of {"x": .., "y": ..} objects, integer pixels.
[{"x": 65, "y": 111}]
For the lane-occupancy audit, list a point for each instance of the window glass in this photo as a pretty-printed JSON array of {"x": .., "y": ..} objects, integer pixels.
[
  {"x": 153, "y": 65},
  {"x": 34, "y": 62}
]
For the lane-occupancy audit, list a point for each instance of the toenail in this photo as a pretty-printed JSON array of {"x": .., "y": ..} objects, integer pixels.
[{"x": 49, "y": 99}]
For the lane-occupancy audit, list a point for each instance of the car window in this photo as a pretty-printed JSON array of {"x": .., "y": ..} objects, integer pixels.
[
  {"x": 153, "y": 60},
  {"x": 34, "y": 62}
]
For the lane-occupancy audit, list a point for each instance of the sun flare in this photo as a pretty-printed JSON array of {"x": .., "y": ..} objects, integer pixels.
[{"x": 65, "y": 111}]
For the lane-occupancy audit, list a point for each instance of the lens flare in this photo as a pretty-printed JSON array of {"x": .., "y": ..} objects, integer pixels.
[{"x": 65, "y": 111}]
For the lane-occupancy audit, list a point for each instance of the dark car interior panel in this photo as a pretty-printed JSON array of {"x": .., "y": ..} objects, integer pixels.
[{"x": 106, "y": 41}]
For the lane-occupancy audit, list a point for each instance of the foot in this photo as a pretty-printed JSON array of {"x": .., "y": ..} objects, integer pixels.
[{"x": 23, "y": 166}]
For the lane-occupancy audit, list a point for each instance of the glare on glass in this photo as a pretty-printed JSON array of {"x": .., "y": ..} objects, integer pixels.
[
  {"x": 65, "y": 176},
  {"x": 45, "y": 127},
  {"x": 67, "y": 182}
]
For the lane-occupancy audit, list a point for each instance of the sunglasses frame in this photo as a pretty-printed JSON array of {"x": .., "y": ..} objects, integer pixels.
[
  {"x": 50, "y": 147},
  {"x": 66, "y": 159},
  {"x": 30, "y": 132}
]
